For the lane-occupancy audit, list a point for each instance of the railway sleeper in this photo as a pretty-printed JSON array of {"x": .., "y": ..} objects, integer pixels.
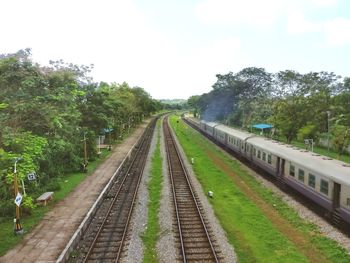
[
  {"x": 109, "y": 232},
  {"x": 188, "y": 227},
  {"x": 185, "y": 214},
  {"x": 108, "y": 243},
  {"x": 194, "y": 231},
  {"x": 99, "y": 261},
  {"x": 197, "y": 245},
  {"x": 202, "y": 260},
  {"x": 194, "y": 236},
  {"x": 102, "y": 256},
  {"x": 186, "y": 220},
  {"x": 105, "y": 249},
  {"x": 198, "y": 250},
  {"x": 199, "y": 256},
  {"x": 184, "y": 205}
]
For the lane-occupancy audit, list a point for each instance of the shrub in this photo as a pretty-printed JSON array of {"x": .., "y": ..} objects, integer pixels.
[
  {"x": 308, "y": 131},
  {"x": 27, "y": 205}
]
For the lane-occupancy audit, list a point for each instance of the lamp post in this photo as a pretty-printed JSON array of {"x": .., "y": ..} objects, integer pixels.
[
  {"x": 328, "y": 115},
  {"x": 17, "y": 224}
]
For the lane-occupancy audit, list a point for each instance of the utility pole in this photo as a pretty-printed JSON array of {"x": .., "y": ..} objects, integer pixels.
[
  {"x": 17, "y": 224},
  {"x": 328, "y": 115},
  {"x": 99, "y": 145},
  {"x": 85, "y": 154}
]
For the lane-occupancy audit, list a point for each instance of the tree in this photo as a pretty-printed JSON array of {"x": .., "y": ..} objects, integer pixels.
[
  {"x": 309, "y": 131},
  {"x": 193, "y": 102},
  {"x": 340, "y": 138}
]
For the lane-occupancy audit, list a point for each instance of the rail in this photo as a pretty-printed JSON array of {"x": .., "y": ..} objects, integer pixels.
[
  {"x": 194, "y": 237},
  {"x": 104, "y": 238}
]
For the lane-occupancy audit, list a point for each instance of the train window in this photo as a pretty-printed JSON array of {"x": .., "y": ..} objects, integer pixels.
[
  {"x": 312, "y": 180},
  {"x": 254, "y": 151},
  {"x": 259, "y": 154},
  {"x": 269, "y": 158},
  {"x": 292, "y": 170},
  {"x": 301, "y": 175},
  {"x": 348, "y": 201},
  {"x": 264, "y": 156},
  {"x": 324, "y": 187}
]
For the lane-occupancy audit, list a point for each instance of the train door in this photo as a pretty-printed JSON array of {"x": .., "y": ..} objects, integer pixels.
[
  {"x": 251, "y": 152},
  {"x": 336, "y": 195},
  {"x": 283, "y": 164},
  {"x": 280, "y": 169}
]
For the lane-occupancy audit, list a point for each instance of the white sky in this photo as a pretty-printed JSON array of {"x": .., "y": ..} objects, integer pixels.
[{"x": 174, "y": 48}]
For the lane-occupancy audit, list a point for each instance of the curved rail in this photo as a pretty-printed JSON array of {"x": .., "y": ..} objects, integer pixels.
[{"x": 202, "y": 248}]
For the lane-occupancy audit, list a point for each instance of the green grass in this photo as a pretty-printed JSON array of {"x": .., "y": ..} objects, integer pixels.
[
  {"x": 151, "y": 234},
  {"x": 248, "y": 229},
  {"x": 68, "y": 183}
]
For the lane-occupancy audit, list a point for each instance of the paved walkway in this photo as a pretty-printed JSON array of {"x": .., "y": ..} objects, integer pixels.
[{"x": 50, "y": 236}]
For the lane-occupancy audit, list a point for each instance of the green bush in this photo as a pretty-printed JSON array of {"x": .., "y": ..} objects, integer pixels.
[
  {"x": 7, "y": 208},
  {"x": 27, "y": 205},
  {"x": 309, "y": 131},
  {"x": 52, "y": 185}
]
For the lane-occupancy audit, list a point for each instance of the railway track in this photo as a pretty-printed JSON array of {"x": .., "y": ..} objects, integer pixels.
[
  {"x": 104, "y": 239},
  {"x": 193, "y": 236}
]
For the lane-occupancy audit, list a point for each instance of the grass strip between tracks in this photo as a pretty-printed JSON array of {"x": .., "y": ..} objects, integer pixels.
[
  {"x": 260, "y": 226},
  {"x": 151, "y": 234}
]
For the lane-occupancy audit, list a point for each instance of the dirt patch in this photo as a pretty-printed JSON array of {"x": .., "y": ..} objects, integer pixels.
[{"x": 299, "y": 239}]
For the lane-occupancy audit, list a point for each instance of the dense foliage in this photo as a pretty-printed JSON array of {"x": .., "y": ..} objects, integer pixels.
[
  {"x": 44, "y": 114},
  {"x": 312, "y": 105}
]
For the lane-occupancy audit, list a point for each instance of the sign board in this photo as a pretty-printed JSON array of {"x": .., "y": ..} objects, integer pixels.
[
  {"x": 18, "y": 199},
  {"x": 31, "y": 176}
]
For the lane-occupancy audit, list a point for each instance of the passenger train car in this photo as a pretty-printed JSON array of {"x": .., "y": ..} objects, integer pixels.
[{"x": 322, "y": 179}]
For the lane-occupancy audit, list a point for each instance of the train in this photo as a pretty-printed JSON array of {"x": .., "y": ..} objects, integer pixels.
[{"x": 324, "y": 180}]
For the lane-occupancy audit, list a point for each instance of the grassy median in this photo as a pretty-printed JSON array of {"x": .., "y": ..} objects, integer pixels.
[
  {"x": 151, "y": 234},
  {"x": 260, "y": 226}
]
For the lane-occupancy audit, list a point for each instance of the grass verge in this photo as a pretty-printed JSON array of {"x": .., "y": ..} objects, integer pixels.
[
  {"x": 247, "y": 221},
  {"x": 151, "y": 234}
]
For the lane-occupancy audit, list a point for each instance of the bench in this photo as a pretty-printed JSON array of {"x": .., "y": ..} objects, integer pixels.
[{"x": 45, "y": 197}]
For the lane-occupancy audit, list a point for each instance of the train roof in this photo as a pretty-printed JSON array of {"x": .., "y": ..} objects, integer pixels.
[
  {"x": 325, "y": 166},
  {"x": 193, "y": 119},
  {"x": 234, "y": 132},
  {"x": 210, "y": 123}
]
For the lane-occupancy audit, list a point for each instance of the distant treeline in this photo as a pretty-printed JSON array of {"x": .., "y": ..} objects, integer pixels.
[{"x": 301, "y": 106}]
